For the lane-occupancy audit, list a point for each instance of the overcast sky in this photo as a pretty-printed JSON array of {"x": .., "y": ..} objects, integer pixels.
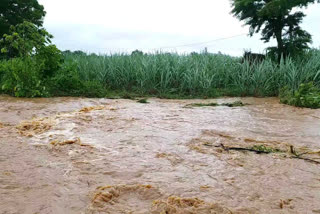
[{"x": 107, "y": 26}]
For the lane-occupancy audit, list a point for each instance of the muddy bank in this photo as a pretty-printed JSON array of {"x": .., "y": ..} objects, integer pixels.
[{"x": 72, "y": 155}]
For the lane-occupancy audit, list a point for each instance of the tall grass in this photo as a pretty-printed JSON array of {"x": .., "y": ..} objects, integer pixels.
[{"x": 195, "y": 74}]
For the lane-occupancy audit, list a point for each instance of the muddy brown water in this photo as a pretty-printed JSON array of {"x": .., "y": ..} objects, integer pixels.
[{"x": 76, "y": 155}]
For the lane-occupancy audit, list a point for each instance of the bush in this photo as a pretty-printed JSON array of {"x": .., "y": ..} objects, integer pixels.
[
  {"x": 51, "y": 58},
  {"x": 67, "y": 82},
  {"x": 24, "y": 77},
  {"x": 307, "y": 95},
  {"x": 21, "y": 77}
]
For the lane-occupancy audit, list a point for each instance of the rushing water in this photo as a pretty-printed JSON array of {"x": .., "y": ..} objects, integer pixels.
[{"x": 72, "y": 155}]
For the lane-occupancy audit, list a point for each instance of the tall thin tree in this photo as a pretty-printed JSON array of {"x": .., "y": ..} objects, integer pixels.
[{"x": 276, "y": 19}]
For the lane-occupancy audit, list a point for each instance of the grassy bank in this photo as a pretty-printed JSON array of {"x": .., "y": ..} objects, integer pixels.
[{"x": 171, "y": 75}]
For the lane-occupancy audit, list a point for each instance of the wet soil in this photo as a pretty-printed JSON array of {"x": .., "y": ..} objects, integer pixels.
[{"x": 76, "y": 155}]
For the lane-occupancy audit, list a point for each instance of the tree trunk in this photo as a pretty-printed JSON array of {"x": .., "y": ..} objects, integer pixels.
[{"x": 280, "y": 44}]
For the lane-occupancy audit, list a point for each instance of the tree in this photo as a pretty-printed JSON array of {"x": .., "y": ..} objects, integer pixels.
[
  {"x": 276, "y": 19},
  {"x": 13, "y": 12},
  {"x": 137, "y": 53},
  {"x": 26, "y": 40},
  {"x": 31, "y": 61}
]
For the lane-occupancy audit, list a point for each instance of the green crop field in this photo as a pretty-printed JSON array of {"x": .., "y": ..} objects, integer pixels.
[
  {"x": 165, "y": 75},
  {"x": 195, "y": 74}
]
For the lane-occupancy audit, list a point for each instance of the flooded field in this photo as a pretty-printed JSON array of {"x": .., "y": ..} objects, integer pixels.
[{"x": 76, "y": 155}]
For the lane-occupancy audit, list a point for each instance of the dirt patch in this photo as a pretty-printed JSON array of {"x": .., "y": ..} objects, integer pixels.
[
  {"x": 176, "y": 205},
  {"x": 35, "y": 126},
  {"x": 124, "y": 198}
]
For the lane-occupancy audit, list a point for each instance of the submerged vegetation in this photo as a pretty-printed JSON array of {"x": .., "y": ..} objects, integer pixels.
[
  {"x": 234, "y": 104},
  {"x": 144, "y": 101},
  {"x": 265, "y": 149}
]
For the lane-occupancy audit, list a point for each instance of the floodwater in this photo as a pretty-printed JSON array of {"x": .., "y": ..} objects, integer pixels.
[{"x": 76, "y": 155}]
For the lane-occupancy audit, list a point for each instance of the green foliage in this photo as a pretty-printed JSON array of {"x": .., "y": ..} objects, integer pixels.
[
  {"x": 79, "y": 53},
  {"x": 21, "y": 77},
  {"x": 307, "y": 95},
  {"x": 137, "y": 53},
  {"x": 33, "y": 66},
  {"x": 51, "y": 58},
  {"x": 67, "y": 82},
  {"x": 276, "y": 19},
  {"x": 25, "y": 39},
  {"x": 14, "y": 12},
  {"x": 28, "y": 41}
]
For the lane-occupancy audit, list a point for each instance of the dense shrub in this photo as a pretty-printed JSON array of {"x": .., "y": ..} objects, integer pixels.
[
  {"x": 21, "y": 77},
  {"x": 307, "y": 95},
  {"x": 51, "y": 58},
  {"x": 67, "y": 82},
  {"x": 27, "y": 77}
]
